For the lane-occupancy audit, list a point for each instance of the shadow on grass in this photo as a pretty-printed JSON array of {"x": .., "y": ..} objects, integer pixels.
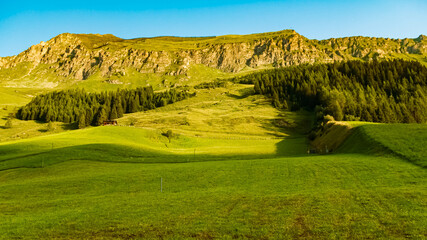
[
  {"x": 295, "y": 128},
  {"x": 243, "y": 93},
  {"x": 69, "y": 126},
  {"x": 114, "y": 153}
]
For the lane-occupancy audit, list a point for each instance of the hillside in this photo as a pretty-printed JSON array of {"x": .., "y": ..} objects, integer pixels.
[
  {"x": 107, "y": 185},
  {"x": 405, "y": 141},
  {"x": 70, "y": 57},
  {"x": 214, "y": 141}
]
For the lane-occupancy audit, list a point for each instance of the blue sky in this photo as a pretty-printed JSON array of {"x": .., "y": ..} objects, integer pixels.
[{"x": 25, "y": 23}]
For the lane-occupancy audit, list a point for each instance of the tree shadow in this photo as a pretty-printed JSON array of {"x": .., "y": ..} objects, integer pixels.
[
  {"x": 69, "y": 126},
  {"x": 243, "y": 93},
  {"x": 295, "y": 130},
  {"x": 292, "y": 146}
]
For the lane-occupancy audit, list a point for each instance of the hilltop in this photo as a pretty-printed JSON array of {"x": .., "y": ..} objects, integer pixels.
[{"x": 68, "y": 58}]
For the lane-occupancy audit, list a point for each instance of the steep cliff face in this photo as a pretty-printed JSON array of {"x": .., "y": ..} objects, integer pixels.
[{"x": 78, "y": 56}]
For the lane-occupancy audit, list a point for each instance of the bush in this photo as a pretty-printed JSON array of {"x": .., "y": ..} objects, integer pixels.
[
  {"x": 132, "y": 121},
  {"x": 50, "y": 127},
  {"x": 8, "y": 123}
]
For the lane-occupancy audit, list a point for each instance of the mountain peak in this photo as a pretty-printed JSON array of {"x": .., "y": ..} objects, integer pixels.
[
  {"x": 422, "y": 37},
  {"x": 88, "y": 40}
]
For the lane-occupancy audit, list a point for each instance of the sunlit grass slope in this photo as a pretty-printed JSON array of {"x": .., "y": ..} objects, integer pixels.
[
  {"x": 407, "y": 141},
  {"x": 232, "y": 112},
  {"x": 128, "y": 144}
]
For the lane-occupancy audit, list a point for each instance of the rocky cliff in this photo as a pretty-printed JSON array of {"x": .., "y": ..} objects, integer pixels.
[{"x": 77, "y": 56}]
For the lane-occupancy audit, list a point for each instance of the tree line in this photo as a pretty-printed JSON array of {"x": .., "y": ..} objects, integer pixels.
[
  {"x": 86, "y": 109},
  {"x": 376, "y": 91}
]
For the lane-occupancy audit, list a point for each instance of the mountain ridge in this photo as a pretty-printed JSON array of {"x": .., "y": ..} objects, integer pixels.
[{"x": 78, "y": 56}]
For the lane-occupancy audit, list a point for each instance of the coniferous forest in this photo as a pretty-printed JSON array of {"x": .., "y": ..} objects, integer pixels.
[
  {"x": 94, "y": 108},
  {"x": 386, "y": 91}
]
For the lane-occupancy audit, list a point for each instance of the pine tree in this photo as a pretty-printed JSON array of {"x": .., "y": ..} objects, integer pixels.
[
  {"x": 102, "y": 116},
  {"x": 88, "y": 116},
  {"x": 119, "y": 110},
  {"x": 257, "y": 88},
  {"x": 113, "y": 113},
  {"x": 134, "y": 104},
  {"x": 66, "y": 118},
  {"x": 285, "y": 104},
  {"x": 82, "y": 121},
  {"x": 337, "y": 111}
]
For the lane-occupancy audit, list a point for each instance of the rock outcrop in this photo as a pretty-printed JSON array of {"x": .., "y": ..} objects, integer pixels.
[{"x": 78, "y": 56}]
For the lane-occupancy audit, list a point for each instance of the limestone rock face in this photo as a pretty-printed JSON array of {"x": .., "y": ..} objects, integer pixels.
[{"x": 78, "y": 56}]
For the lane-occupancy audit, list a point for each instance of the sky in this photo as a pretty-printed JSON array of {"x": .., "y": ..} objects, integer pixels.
[{"x": 25, "y": 23}]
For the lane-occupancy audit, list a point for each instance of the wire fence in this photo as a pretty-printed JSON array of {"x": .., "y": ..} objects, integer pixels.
[{"x": 212, "y": 137}]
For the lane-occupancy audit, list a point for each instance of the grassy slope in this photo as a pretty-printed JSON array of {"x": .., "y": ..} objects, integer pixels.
[
  {"x": 212, "y": 113},
  {"x": 223, "y": 111},
  {"x": 329, "y": 196},
  {"x": 124, "y": 144},
  {"x": 132, "y": 79},
  {"x": 343, "y": 196},
  {"x": 169, "y": 43},
  {"x": 404, "y": 140}
]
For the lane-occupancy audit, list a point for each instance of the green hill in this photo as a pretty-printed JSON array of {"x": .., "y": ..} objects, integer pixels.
[
  {"x": 129, "y": 144},
  {"x": 403, "y": 140},
  {"x": 104, "y": 182}
]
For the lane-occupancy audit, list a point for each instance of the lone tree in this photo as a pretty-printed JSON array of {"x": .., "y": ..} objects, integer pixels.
[
  {"x": 50, "y": 127},
  {"x": 168, "y": 134},
  {"x": 8, "y": 123}
]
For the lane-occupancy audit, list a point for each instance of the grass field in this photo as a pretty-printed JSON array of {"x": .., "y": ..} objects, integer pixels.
[
  {"x": 403, "y": 140},
  {"x": 236, "y": 168},
  {"x": 343, "y": 196},
  {"x": 96, "y": 183}
]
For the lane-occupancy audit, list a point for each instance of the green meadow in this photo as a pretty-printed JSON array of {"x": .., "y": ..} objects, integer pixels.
[
  {"x": 105, "y": 183},
  {"x": 234, "y": 168}
]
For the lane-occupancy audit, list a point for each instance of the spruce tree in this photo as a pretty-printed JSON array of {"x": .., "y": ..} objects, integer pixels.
[
  {"x": 119, "y": 110},
  {"x": 82, "y": 121},
  {"x": 113, "y": 113},
  {"x": 102, "y": 116}
]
